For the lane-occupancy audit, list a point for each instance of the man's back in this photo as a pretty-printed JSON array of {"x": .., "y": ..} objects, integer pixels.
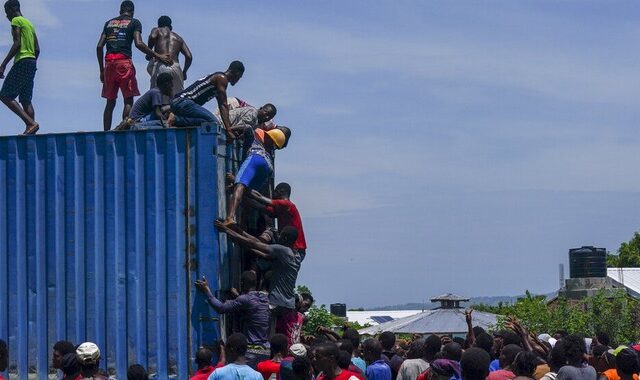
[
  {"x": 119, "y": 33},
  {"x": 234, "y": 371},
  {"x": 285, "y": 273},
  {"x": 167, "y": 42}
]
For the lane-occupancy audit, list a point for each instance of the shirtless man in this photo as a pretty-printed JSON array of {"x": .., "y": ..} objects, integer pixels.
[{"x": 164, "y": 41}]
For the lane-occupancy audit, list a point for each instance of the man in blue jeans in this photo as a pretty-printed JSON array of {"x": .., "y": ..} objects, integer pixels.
[{"x": 187, "y": 106}]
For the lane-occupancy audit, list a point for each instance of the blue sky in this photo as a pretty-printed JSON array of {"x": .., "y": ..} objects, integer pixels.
[{"x": 438, "y": 146}]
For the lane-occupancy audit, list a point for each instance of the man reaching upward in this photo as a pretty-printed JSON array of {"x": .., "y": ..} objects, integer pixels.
[{"x": 163, "y": 40}]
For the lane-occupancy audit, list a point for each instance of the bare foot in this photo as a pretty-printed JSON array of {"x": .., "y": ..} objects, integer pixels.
[
  {"x": 171, "y": 120},
  {"x": 31, "y": 129}
]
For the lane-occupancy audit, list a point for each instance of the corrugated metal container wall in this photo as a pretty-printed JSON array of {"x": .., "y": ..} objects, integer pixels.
[{"x": 101, "y": 237}]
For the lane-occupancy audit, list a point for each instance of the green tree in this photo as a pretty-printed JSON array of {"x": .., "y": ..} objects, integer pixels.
[{"x": 628, "y": 254}]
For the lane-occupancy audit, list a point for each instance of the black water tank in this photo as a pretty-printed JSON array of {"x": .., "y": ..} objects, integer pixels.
[
  {"x": 587, "y": 262},
  {"x": 338, "y": 309}
]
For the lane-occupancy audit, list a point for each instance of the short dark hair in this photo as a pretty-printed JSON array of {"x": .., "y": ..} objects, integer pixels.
[
  {"x": 308, "y": 297},
  {"x": 237, "y": 343},
  {"x": 557, "y": 357},
  {"x": 271, "y": 108},
  {"x": 64, "y": 347},
  {"x": 164, "y": 78},
  {"x": 351, "y": 334},
  {"x": 432, "y": 345},
  {"x": 11, "y": 5},
  {"x": 574, "y": 348},
  {"x": 525, "y": 363},
  {"x": 127, "y": 6},
  {"x": 236, "y": 66},
  {"x": 599, "y": 350},
  {"x": 344, "y": 359},
  {"x": 204, "y": 356},
  {"x": 627, "y": 362},
  {"x": 346, "y": 346},
  {"x": 388, "y": 340},
  {"x": 69, "y": 364},
  {"x": 249, "y": 279},
  {"x": 509, "y": 352},
  {"x": 287, "y": 134},
  {"x": 279, "y": 344},
  {"x": 374, "y": 346},
  {"x": 603, "y": 338},
  {"x": 284, "y": 188},
  {"x": 288, "y": 236},
  {"x": 452, "y": 351},
  {"x": 510, "y": 337},
  {"x": 477, "y": 330},
  {"x": 484, "y": 341},
  {"x": 475, "y": 364},
  {"x": 164, "y": 21},
  {"x": 301, "y": 367},
  {"x": 328, "y": 349},
  {"x": 459, "y": 340},
  {"x": 137, "y": 372}
]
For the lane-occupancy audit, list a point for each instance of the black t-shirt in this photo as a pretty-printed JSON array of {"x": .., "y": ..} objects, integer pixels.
[{"x": 119, "y": 32}]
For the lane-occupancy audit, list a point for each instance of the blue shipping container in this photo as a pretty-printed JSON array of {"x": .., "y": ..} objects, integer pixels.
[{"x": 101, "y": 238}]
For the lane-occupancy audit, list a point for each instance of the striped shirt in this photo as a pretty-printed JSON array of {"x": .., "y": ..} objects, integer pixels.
[{"x": 201, "y": 91}]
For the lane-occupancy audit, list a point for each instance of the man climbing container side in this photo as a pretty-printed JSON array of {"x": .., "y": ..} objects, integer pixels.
[{"x": 19, "y": 81}]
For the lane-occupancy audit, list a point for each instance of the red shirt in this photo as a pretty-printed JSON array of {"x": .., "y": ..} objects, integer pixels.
[
  {"x": 290, "y": 324},
  {"x": 344, "y": 375},
  {"x": 203, "y": 374},
  {"x": 288, "y": 215},
  {"x": 269, "y": 369}
]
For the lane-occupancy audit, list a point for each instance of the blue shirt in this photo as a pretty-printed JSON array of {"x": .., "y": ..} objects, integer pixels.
[
  {"x": 494, "y": 366},
  {"x": 378, "y": 370},
  {"x": 235, "y": 372},
  {"x": 359, "y": 362}
]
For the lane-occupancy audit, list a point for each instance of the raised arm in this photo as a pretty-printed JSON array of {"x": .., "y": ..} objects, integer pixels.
[
  {"x": 188, "y": 58},
  {"x": 221, "y": 82},
  {"x": 471, "y": 336},
  {"x": 244, "y": 239},
  {"x": 100, "y": 55},
  {"x": 259, "y": 197},
  {"x": 217, "y": 305},
  {"x": 151, "y": 41},
  {"x": 15, "y": 48}
]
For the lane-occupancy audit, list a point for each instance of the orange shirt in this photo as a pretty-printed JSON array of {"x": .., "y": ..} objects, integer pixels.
[{"x": 612, "y": 374}]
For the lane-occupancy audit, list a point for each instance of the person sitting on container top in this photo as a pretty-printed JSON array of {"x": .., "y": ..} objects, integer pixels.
[
  {"x": 325, "y": 360},
  {"x": 284, "y": 210},
  {"x": 187, "y": 106},
  {"x": 257, "y": 167},
  {"x": 377, "y": 369},
  {"x": 235, "y": 350},
  {"x": 475, "y": 364},
  {"x": 290, "y": 323},
  {"x": 252, "y": 307},
  {"x": 271, "y": 367},
  {"x": 88, "y": 355},
  {"x": 147, "y": 110},
  {"x": 4, "y": 357},
  {"x": 285, "y": 267},
  {"x": 137, "y": 372},
  {"x": 60, "y": 349}
]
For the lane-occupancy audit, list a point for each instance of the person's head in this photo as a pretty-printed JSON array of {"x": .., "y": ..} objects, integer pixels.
[
  {"x": 452, "y": 351},
  {"x": 248, "y": 281},
  {"x": 287, "y": 236},
  {"x": 279, "y": 345},
  {"x": 165, "y": 84},
  {"x": 266, "y": 112},
  {"x": 510, "y": 337},
  {"x": 88, "y": 355},
  {"x": 137, "y": 372},
  {"x": 60, "y": 349},
  {"x": 301, "y": 368},
  {"x": 69, "y": 365},
  {"x": 475, "y": 364},
  {"x": 127, "y": 7},
  {"x": 204, "y": 357},
  {"x": 12, "y": 9},
  {"x": 235, "y": 72},
  {"x": 560, "y": 334},
  {"x": 525, "y": 364},
  {"x": 344, "y": 359},
  {"x": 508, "y": 354},
  {"x": 282, "y": 191},
  {"x": 574, "y": 349},
  {"x": 432, "y": 346},
  {"x": 388, "y": 340},
  {"x": 165, "y": 22},
  {"x": 484, "y": 341},
  {"x": 557, "y": 357},
  {"x": 4, "y": 355},
  {"x": 346, "y": 346},
  {"x": 236, "y": 347},
  {"x": 416, "y": 349},
  {"x": 326, "y": 357},
  {"x": 627, "y": 362},
  {"x": 287, "y": 134},
  {"x": 477, "y": 330},
  {"x": 603, "y": 338},
  {"x": 298, "y": 350},
  {"x": 304, "y": 301},
  {"x": 600, "y": 359},
  {"x": 371, "y": 350}
]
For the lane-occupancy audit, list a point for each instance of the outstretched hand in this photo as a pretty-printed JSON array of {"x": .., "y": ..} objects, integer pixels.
[
  {"x": 220, "y": 225},
  {"x": 203, "y": 285},
  {"x": 467, "y": 315}
]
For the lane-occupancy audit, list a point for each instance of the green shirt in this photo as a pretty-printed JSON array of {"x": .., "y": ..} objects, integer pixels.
[{"x": 27, "y": 38}]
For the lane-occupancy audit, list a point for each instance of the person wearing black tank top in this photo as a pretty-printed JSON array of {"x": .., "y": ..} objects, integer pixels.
[{"x": 187, "y": 106}]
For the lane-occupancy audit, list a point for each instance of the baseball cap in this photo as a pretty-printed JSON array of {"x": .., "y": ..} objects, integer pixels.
[{"x": 88, "y": 353}]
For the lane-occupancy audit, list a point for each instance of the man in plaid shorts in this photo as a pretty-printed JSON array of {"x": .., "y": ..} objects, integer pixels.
[{"x": 19, "y": 82}]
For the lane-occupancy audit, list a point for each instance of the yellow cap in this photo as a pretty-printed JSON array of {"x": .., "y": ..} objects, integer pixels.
[{"x": 278, "y": 137}]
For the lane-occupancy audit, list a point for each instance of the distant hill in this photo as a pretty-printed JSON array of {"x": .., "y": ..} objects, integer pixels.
[{"x": 492, "y": 301}]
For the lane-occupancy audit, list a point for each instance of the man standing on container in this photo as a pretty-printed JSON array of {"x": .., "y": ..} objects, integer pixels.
[
  {"x": 116, "y": 67},
  {"x": 19, "y": 82},
  {"x": 163, "y": 40}
]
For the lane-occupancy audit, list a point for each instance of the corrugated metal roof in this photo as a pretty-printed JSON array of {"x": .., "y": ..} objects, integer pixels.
[
  {"x": 369, "y": 316},
  {"x": 449, "y": 297},
  {"x": 434, "y": 321},
  {"x": 627, "y": 277}
]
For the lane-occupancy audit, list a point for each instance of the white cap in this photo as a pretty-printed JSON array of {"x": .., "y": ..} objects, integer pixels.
[
  {"x": 88, "y": 353},
  {"x": 298, "y": 350}
]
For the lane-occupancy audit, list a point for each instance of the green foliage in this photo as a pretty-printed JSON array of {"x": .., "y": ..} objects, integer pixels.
[
  {"x": 628, "y": 254},
  {"x": 611, "y": 312},
  {"x": 302, "y": 289},
  {"x": 320, "y": 316}
]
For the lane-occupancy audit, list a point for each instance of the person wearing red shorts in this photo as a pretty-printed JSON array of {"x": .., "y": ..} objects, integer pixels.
[{"x": 116, "y": 68}]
